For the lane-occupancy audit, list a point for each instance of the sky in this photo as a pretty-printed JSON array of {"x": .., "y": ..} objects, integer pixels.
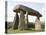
[{"x": 36, "y": 6}]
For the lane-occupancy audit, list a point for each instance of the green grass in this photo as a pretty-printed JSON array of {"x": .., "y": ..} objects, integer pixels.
[
  {"x": 31, "y": 29},
  {"x": 22, "y": 31}
]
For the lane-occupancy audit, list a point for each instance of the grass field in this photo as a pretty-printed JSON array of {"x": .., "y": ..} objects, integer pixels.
[
  {"x": 29, "y": 30},
  {"x": 22, "y": 31}
]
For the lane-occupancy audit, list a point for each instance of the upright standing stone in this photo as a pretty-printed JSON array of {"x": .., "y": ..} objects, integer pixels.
[
  {"x": 26, "y": 20},
  {"x": 21, "y": 21},
  {"x": 37, "y": 24},
  {"x": 16, "y": 21}
]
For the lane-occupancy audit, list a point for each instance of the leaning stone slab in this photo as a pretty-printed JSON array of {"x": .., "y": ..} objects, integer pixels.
[{"x": 16, "y": 21}]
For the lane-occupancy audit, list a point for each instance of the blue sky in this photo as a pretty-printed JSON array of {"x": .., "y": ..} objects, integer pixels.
[{"x": 36, "y": 6}]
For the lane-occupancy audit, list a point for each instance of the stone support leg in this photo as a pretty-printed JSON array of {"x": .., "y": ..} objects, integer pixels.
[
  {"x": 16, "y": 21},
  {"x": 37, "y": 24},
  {"x": 26, "y": 20},
  {"x": 21, "y": 21}
]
